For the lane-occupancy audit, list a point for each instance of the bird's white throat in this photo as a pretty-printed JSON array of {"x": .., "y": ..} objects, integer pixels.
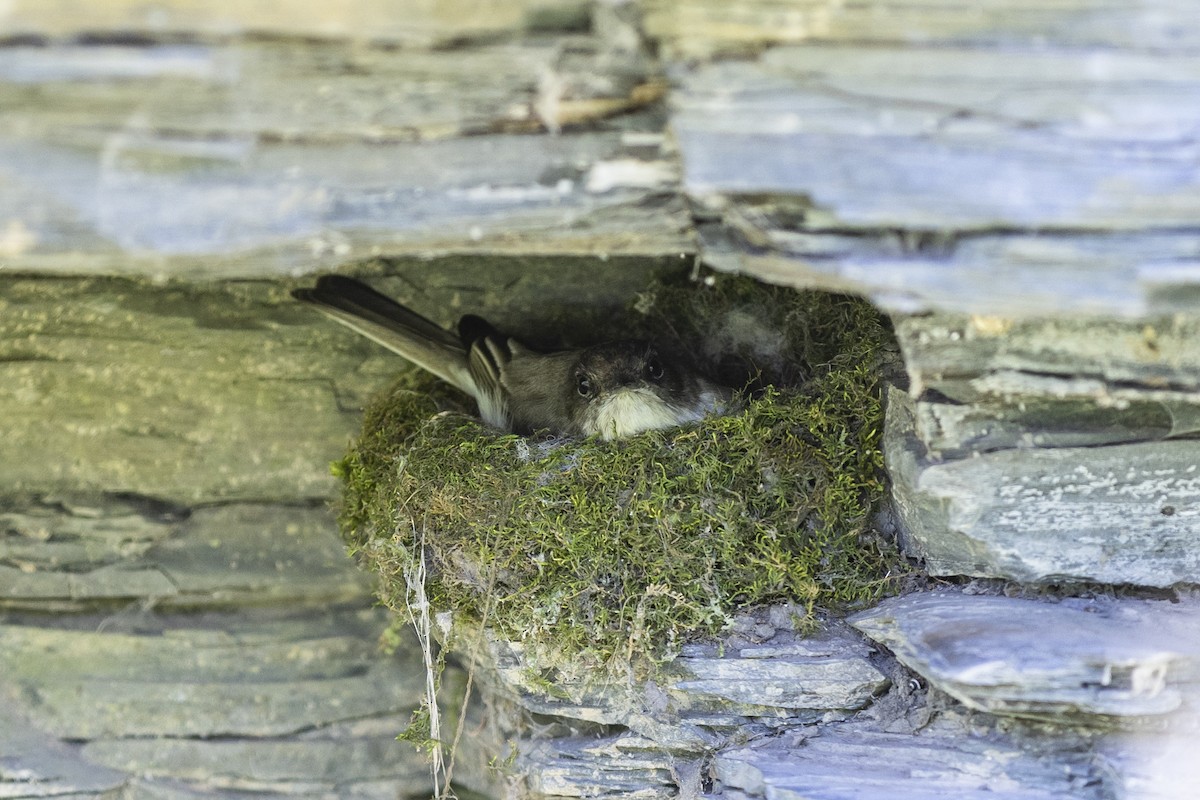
[{"x": 630, "y": 411}]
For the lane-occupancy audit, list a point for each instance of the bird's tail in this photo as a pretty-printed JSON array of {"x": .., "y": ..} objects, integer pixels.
[{"x": 399, "y": 329}]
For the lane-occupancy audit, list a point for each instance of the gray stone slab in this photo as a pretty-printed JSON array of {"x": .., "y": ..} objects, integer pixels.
[
  {"x": 178, "y": 393},
  {"x": 921, "y": 138},
  {"x": 1083, "y": 662},
  {"x": 693, "y": 29},
  {"x": 258, "y": 554},
  {"x": 240, "y": 91},
  {"x": 334, "y": 647},
  {"x": 987, "y": 357},
  {"x": 1116, "y": 514},
  {"x": 1024, "y": 409},
  {"x": 254, "y": 680},
  {"x": 168, "y": 789},
  {"x": 336, "y": 761},
  {"x": 936, "y": 171},
  {"x": 950, "y": 87},
  {"x": 854, "y": 762},
  {"x": 261, "y": 156},
  {"x": 363, "y": 20},
  {"x": 933, "y": 175},
  {"x": 281, "y": 208},
  {"x": 1060, "y": 274},
  {"x": 821, "y": 672},
  {"x": 604, "y": 735},
  {"x": 954, "y": 431},
  {"x": 84, "y": 553},
  {"x": 792, "y": 677},
  {"x": 614, "y": 767},
  {"x": 36, "y": 765}
]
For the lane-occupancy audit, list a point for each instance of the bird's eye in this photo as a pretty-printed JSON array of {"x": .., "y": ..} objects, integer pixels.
[
  {"x": 583, "y": 385},
  {"x": 654, "y": 368}
]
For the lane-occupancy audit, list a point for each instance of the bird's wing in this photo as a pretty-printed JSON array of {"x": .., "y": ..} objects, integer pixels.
[
  {"x": 401, "y": 330},
  {"x": 489, "y": 354}
]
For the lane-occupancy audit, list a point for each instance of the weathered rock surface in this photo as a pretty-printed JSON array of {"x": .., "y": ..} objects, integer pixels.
[
  {"x": 829, "y": 671},
  {"x": 98, "y": 551},
  {"x": 224, "y": 155},
  {"x": 36, "y": 764},
  {"x": 180, "y": 393},
  {"x": 1110, "y": 686},
  {"x": 174, "y": 699},
  {"x": 1124, "y": 513},
  {"x": 694, "y": 29},
  {"x": 912, "y": 156},
  {"x": 274, "y": 683},
  {"x": 973, "y": 358},
  {"x": 787, "y": 676},
  {"x": 625, "y": 765},
  {"x": 1098, "y": 661},
  {"x": 856, "y": 762},
  {"x": 598, "y": 735},
  {"x": 1089, "y": 699},
  {"x": 423, "y": 25}
]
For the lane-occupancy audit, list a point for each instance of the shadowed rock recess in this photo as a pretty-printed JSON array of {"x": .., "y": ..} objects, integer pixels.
[{"x": 1014, "y": 184}]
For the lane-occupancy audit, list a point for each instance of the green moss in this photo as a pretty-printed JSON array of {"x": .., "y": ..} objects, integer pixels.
[{"x": 615, "y": 552}]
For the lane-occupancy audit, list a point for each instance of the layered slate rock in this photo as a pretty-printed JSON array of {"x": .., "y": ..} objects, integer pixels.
[
  {"x": 818, "y": 673},
  {"x": 179, "y": 394},
  {"x": 176, "y": 700},
  {"x": 1008, "y": 160},
  {"x": 858, "y": 762},
  {"x": 273, "y": 682},
  {"x": 77, "y": 553},
  {"x": 196, "y": 151},
  {"x": 1123, "y": 513},
  {"x": 1049, "y": 450},
  {"x": 425, "y": 26},
  {"x": 1099, "y": 661},
  {"x": 36, "y": 764},
  {"x": 599, "y": 735},
  {"x": 1111, "y": 685},
  {"x": 267, "y": 679},
  {"x": 697, "y": 29}
]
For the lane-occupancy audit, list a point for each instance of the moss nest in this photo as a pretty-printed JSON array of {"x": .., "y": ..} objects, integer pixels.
[{"x": 617, "y": 552}]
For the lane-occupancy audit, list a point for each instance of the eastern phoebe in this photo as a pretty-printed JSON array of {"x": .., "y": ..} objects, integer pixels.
[{"x": 614, "y": 389}]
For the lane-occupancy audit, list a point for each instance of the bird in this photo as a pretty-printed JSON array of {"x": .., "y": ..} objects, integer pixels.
[{"x": 613, "y": 390}]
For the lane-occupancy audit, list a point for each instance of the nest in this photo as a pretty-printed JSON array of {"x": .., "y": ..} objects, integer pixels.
[{"x": 618, "y": 552}]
